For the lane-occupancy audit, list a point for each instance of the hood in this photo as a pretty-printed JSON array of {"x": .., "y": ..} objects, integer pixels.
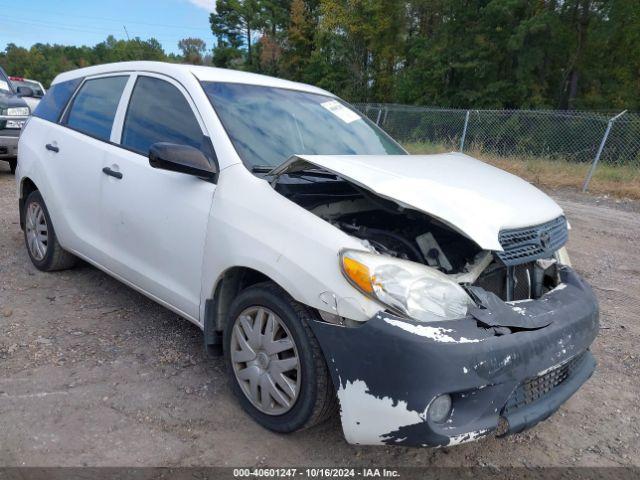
[
  {"x": 8, "y": 100},
  {"x": 474, "y": 198}
]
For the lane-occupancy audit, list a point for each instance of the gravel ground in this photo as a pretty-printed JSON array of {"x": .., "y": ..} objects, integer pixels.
[{"x": 93, "y": 373}]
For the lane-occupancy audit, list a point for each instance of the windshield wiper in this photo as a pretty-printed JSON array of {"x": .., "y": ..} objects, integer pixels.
[
  {"x": 261, "y": 168},
  {"x": 307, "y": 172},
  {"x": 312, "y": 172}
]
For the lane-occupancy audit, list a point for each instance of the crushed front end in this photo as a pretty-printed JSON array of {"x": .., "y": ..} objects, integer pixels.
[
  {"x": 473, "y": 335},
  {"x": 388, "y": 371}
]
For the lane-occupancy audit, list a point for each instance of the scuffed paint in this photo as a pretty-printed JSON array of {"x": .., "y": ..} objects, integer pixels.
[
  {"x": 374, "y": 369},
  {"x": 467, "y": 437},
  {"x": 437, "y": 334},
  {"x": 373, "y": 420},
  {"x": 556, "y": 366},
  {"x": 358, "y": 423}
]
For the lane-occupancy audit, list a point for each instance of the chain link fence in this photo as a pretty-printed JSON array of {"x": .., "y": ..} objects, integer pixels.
[{"x": 610, "y": 138}]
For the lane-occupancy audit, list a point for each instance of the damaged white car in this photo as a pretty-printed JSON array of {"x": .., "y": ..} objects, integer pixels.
[{"x": 430, "y": 297}]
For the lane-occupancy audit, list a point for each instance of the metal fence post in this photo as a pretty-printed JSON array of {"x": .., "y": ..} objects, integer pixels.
[
  {"x": 464, "y": 131},
  {"x": 592, "y": 170},
  {"x": 379, "y": 115}
]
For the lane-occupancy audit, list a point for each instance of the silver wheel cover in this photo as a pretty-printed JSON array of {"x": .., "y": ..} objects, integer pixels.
[
  {"x": 265, "y": 360},
  {"x": 37, "y": 231}
]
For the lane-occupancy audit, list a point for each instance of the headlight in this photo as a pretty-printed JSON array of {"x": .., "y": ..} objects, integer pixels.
[
  {"x": 411, "y": 289},
  {"x": 18, "y": 112}
]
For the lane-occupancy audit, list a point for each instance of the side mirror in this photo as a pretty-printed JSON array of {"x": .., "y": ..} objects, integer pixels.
[
  {"x": 25, "y": 92},
  {"x": 182, "y": 159}
]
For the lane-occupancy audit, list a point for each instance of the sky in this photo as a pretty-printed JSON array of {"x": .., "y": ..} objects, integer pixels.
[{"x": 77, "y": 22}]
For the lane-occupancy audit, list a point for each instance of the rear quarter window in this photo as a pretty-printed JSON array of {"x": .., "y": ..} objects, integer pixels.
[{"x": 52, "y": 104}]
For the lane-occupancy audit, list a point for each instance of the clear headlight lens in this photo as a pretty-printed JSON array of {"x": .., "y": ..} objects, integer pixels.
[
  {"x": 411, "y": 289},
  {"x": 18, "y": 112}
]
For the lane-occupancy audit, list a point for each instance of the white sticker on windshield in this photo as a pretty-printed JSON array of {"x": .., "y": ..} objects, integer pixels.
[{"x": 340, "y": 111}]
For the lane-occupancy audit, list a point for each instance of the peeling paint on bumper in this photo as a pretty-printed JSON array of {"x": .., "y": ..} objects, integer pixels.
[{"x": 388, "y": 371}]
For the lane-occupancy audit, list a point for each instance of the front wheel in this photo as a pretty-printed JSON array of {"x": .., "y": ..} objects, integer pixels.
[
  {"x": 276, "y": 366},
  {"x": 13, "y": 165}
]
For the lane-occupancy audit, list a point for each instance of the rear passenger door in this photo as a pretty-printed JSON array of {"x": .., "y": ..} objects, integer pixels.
[
  {"x": 76, "y": 149},
  {"x": 155, "y": 220}
]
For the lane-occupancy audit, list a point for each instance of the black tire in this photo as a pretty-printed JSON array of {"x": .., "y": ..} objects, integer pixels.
[
  {"x": 316, "y": 400},
  {"x": 12, "y": 165},
  {"x": 55, "y": 258}
]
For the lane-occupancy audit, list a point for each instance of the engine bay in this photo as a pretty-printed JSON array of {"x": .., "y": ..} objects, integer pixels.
[{"x": 388, "y": 228}]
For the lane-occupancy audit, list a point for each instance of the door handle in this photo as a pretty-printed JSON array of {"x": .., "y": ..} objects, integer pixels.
[
  {"x": 112, "y": 173},
  {"x": 52, "y": 148}
]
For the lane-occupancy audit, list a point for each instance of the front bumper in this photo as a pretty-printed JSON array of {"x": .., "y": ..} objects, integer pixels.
[
  {"x": 9, "y": 143},
  {"x": 387, "y": 371}
]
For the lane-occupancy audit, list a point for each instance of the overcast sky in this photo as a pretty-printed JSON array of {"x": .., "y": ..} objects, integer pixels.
[{"x": 87, "y": 22}]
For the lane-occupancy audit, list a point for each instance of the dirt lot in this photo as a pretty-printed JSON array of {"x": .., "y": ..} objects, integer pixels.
[{"x": 92, "y": 373}]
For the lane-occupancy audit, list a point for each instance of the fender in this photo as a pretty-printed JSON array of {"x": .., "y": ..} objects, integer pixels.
[{"x": 266, "y": 232}]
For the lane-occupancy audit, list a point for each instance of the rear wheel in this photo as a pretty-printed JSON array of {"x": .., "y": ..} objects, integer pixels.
[
  {"x": 12, "y": 165},
  {"x": 40, "y": 237},
  {"x": 276, "y": 366}
]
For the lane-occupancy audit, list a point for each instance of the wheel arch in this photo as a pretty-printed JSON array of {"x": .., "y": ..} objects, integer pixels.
[
  {"x": 27, "y": 186},
  {"x": 228, "y": 285}
]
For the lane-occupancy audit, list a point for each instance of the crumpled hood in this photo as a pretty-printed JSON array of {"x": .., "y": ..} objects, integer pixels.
[{"x": 475, "y": 198}]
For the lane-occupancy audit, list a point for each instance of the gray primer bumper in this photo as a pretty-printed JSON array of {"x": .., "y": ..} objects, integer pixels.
[{"x": 387, "y": 371}]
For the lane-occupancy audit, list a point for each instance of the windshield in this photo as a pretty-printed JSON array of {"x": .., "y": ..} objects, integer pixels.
[
  {"x": 35, "y": 86},
  {"x": 268, "y": 125},
  {"x": 4, "y": 83}
]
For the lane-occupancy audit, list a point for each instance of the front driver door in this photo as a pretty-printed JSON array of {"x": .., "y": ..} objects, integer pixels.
[{"x": 156, "y": 220}]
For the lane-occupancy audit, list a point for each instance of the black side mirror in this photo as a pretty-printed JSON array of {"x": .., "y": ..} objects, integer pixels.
[
  {"x": 182, "y": 159},
  {"x": 25, "y": 92}
]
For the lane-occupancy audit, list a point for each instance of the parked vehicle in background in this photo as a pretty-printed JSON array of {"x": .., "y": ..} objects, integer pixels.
[
  {"x": 37, "y": 88},
  {"x": 430, "y": 295},
  {"x": 14, "y": 112}
]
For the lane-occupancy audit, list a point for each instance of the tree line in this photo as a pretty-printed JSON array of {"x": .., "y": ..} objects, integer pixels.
[{"x": 564, "y": 54}]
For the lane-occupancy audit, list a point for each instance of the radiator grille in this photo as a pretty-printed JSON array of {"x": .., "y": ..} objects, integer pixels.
[
  {"x": 495, "y": 281},
  {"x": 523, "y": 245}
]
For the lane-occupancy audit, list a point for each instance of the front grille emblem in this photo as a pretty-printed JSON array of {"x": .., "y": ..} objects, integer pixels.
[{"x": 545, "y": 239}]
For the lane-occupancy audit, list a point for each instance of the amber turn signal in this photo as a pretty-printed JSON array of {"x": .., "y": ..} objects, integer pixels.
[{"x": 358, "y": 274}]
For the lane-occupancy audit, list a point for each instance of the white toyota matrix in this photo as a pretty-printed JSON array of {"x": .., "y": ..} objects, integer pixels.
[{"x": 429, "y": 298}]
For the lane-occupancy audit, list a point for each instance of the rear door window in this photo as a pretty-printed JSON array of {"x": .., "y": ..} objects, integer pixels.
[
  {"x": 94, "y": 107},
  {"x": 159, "y": 112}
]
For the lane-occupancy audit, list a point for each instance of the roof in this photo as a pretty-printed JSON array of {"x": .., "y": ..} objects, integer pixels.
[{"x": 177, "y": 70}]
